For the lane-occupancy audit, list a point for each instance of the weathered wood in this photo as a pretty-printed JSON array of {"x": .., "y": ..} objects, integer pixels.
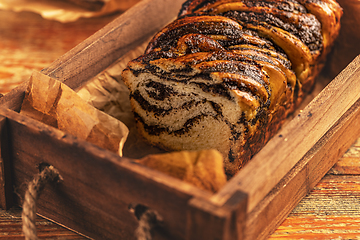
[
  {"x": 108, "y": 44},
  {"x": 297, "y": 139},
  {"x": 331, "y": 211},
  {"x": 6, "y": 185},
  {"x": 225, "y": 222},
  {"x": 14, "y": 98},
  {"x": 313, "y": 141},
  {"x": 275, "y": 180},
  {"x": 350, "y": 162},
  {"x": 347, "y": 165},
  {"x": 303, "y": 177},
  {"x": 98, "y": 186},
  {"x": 11, "y": 227}
]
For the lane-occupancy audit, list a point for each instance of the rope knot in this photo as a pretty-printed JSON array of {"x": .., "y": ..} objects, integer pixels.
[
  {"x": 148, "y": 220},
  {"x": 47, "y": 174}
]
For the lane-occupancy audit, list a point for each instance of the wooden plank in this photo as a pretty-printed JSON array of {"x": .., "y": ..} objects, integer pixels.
[
  {"x": 211, "y": 222},
  {"x": 111, "y": 42},
  {"x": 6, "y": 185},
  {"x": 98, "y": 185},
  {"x": 330, "y": 211},
  {"x": 297, "y": 139},
  {"x": 302, "y": 178},
  {"x": 349, "y": 163},
  {"x": 75, "y": 68},
  {"x": 14, "y": 98},
  {"x": 11, "y": 227}
]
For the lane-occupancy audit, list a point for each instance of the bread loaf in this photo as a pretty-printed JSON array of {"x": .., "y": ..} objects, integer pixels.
[{"x": 225, "y": 74}]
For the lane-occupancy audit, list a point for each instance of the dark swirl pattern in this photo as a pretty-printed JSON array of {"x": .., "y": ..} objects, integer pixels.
[{"x": 225, "y": 74}]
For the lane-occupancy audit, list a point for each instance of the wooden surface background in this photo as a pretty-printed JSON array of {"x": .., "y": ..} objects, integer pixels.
[{"x": 28, "y": 42}]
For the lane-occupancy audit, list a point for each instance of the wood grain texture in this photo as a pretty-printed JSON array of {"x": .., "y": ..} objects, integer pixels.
[
  {"x": 6, "y": 185},
  {"x": 11, "y": 227},
  {"x": 349, "y": 162},
  {"x": 209, "y": 221},
  {"x": 308, "y": 216},
  {"x": 331, "y": 211},
  {"x": 303, "y": 177},
  {"x": 296, "y": 140},
  {"x": 98, "y": 186}
]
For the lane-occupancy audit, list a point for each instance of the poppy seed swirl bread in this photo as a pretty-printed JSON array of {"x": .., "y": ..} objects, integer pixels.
[{"x": 225, "y": 74}]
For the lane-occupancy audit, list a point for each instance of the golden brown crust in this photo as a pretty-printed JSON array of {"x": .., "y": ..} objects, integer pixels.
[{"x": 226, "y": 73}]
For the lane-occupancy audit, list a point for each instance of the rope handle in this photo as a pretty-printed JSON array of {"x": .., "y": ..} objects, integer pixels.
[
  {"x": 35, "y": 187},
  {"x": 148, "y": 219}
]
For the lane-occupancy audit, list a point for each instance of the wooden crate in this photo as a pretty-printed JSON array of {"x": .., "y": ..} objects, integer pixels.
[{"x": 99, "y": 186}]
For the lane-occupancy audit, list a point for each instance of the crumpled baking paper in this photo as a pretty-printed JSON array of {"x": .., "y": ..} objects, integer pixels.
[
  {"x": 108, "y": 93},
  {"x": 65, "y": 10},
  {"x": 53, "y": 103},
  {"x": 103, "y": 93}
]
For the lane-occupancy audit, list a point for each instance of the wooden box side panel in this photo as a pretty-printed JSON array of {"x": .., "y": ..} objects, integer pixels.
[
  {"x": 275, "y": 207},
  {"x": 296, "y": 139},
  {"x": 98, "y": 186},
  {"x": 6, "y": 188},
  {"x": 267, "y": 185},
  {"x": 212, "y": 222},
  {"x": 14, "y": 98}
]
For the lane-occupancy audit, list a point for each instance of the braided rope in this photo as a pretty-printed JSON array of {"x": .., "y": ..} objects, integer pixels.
[
  {"x": 148, "y": 220},
  {"x": 35, "y": 187}
]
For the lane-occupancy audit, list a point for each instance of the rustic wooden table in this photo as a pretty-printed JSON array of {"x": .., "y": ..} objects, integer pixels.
[{"x": 28, "y": 42}]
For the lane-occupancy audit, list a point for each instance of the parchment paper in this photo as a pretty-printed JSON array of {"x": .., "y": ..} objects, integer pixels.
[
  {"x": 108, "y": 93},
  {"x": 53, "y": 103},
  {"x": 103, "y": 92}
]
